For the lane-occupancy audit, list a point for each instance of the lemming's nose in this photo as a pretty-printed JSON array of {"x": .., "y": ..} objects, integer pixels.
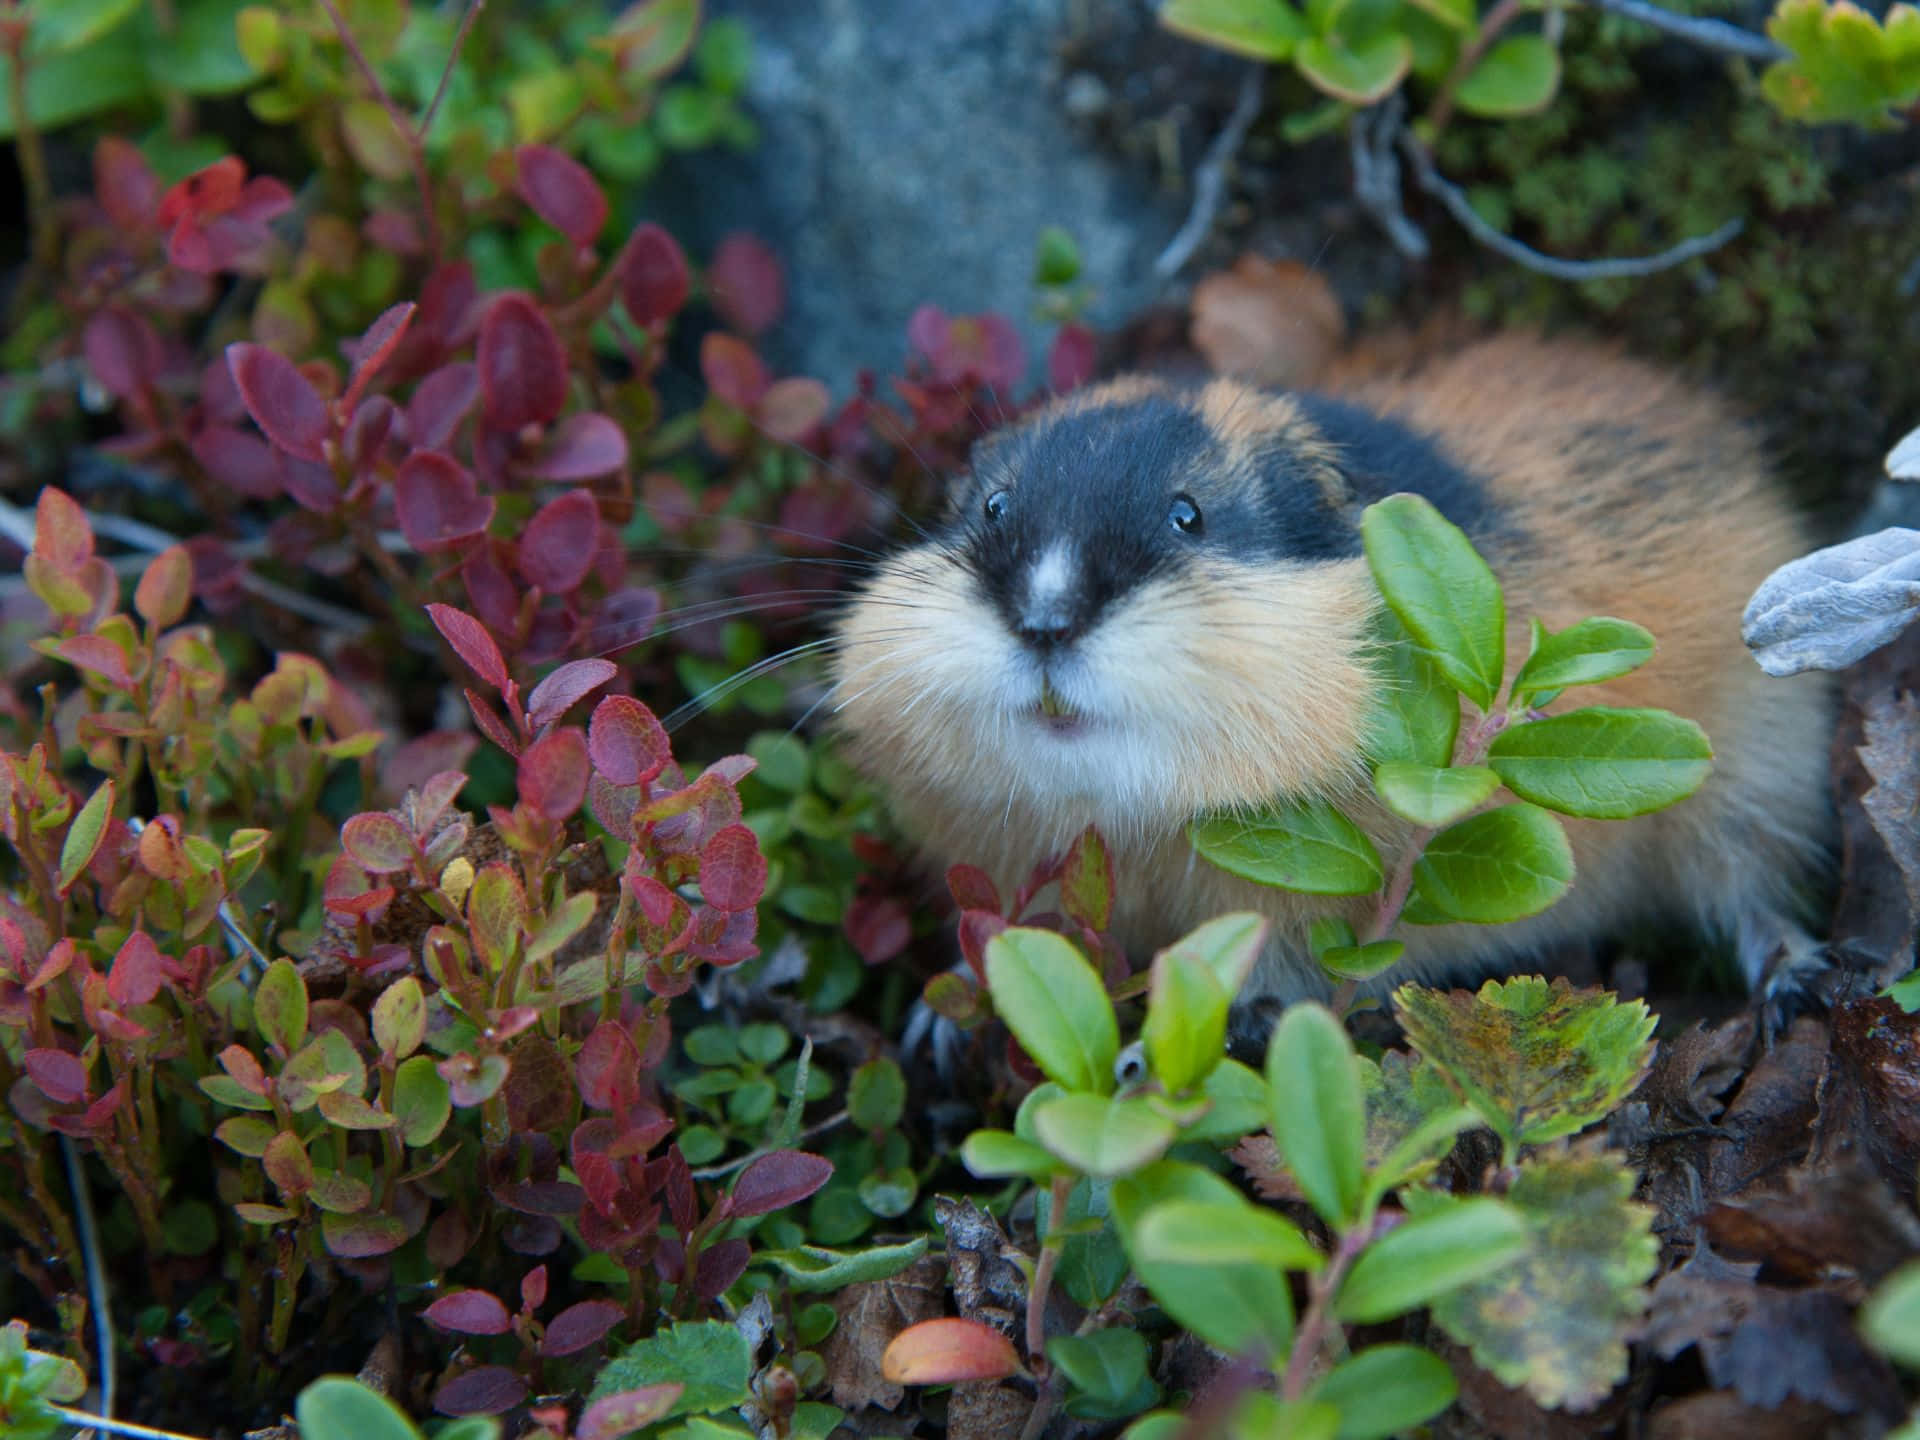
[{"x": 1046, "y": 627}]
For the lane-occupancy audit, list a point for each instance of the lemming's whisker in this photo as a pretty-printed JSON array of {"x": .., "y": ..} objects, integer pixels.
[
  {"x": 715, "y": 693},
  {"x": 767, "y": 527},
  {"x": 839, "y": 472}
]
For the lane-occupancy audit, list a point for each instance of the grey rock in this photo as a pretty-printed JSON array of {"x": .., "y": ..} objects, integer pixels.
[{"x": 911, "y": 152}]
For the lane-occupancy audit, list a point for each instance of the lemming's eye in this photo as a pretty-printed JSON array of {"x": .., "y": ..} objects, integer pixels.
[
  {"x": 996, "y": 506},
  {"x": 1184, "y": 515}
]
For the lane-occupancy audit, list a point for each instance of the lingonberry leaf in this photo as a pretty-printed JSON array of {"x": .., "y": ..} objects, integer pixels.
[
  {"x": 440, "y": 402},
  {"x": 469, "y": 1312},
  {"x": 375, "y": 347},
  {"x": 719, "y": 1266},
  {"x": 1536, "y": 1060},
  {"x": 654, "y": 282},
  {"x": 732, "y": 370},
  {"x": 553, "y": 774},
  {"x": 558, "y": 693},
  {"x": 122, "y": 351},
  {"x": 1387, "y": 1390},
  {"x": 85, "y": 833},
  {"x": 561, "y": 192},
  {"x": 1054, "y": 1002},
  {"x": 1442, "y": 1248},
  {"x": 523, "y": 367},
  {"x": 438, "y": 502},
  {"x": 486, "y": 1390},
  {"x": 777, "y": 1180},
  {"x": 1443, "y": 592},
  {"x": 1500, "y": 865},
  {"x": 472, "y": 643},
  {"x": 1319, "y": 1110},
  {"x": 281, "y": 400},
  {"x": 579, "y": 448},
  {"x": 627, "y": 742},
  {"x": 746, "y": 284},
  {"x": 1102, "y": 1135},
  {"x": 581, "y": 1325},
  {"x": 733, "y": 872},
  {"x": 59, "y": 1074},
  {"x": 556, "y": 548},
  {"x": 137, "y": 971},
  {"x": 1303, "y": 845}
]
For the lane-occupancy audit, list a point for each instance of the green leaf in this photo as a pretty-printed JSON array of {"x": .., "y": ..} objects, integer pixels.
[
  {"x": 1258, "y": 29},
  {"x": 1891, "y": 1318},
  {"x": 996, "y": 1154},
  {"x": 1387, "y": 1391},
  {"x": 1239, "y": 1309},
  {"x": 1237, "y": 1104},
  {"x": 1537, "y": 1060},
  {"x": 1102, "y": 1136},
  {"x": 1052, "y": 999},
  {"x": 1108, "y": 1369},
  {"x": 71, "y": 24},
  {"x": 84, "y": 835},
  {"x": 422, "y": 1101},
  {"x": 1203, "y": 1232},
  {"x": 1361, "y": 962},
  {"x": 781, "y": 761},
  {"x": 1516, "y": 77},
  {"x": 816, "y": 1268},
  {"x": 1603, "y": 764},
  {"x": 1500, "y": 865},
  {"x": 1456, "y": 15},
  {"x": 75, "y": 84},
  {"x": 876, "y": 1095},
  {"x": 1361, "y": 72},
  {"x": 1319, "y": 1110},
  {"x": 1229, "y": 945},
  {"x": 1186, "y": 1027},
  {"x": 1432, "y": 797},
  {"x": 1303, "y": 845},
  {"x": 1435, "y": 581},
  {"x": 231, "y": 1092},
  {"x": 336, "y": 1408},
  {"x": 199, "y": 52},
  {"x": 712, "y": 1360},
  {"x": 1415, "y": 712},
  {"x": 1427, "y": 1256},
  {"x": 1583, "y": 654},
  {"x": 1557, "y": 1322},
  {"x": 400, "y": 1018},
  {"x": 280, "y": 1006},
  {"x": 1093, "y": 1264},
  {"x": 1844, "y": 65},
  {"x": 1056, "y": 259},
  {"x": 1413, "y": 1116}
]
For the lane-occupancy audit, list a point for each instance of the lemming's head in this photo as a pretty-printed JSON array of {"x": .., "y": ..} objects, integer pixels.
[{"x": 1143, "y": 604}]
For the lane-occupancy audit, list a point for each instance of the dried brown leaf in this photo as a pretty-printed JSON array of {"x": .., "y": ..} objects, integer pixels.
[
  {"x": 871, "y": 1314},
  {"x": 1275, "y": 322}
]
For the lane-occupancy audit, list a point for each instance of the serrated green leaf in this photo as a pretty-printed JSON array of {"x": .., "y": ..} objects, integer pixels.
[
  {"x": 1518, "y": 76},
  {"x": 1361, "y": 72},
  {"x": 1844, "y": 65},
  {"x": 711, "y": 1359},
  {"x": 1603, "y": 764},
  {"x": 1305, "y": 846},
  {"x": 1186, "y": 1028},
  {"x": 1387, "y": 1391},
  {"x": 1052, "y": 999},
  {"x": 1557, "y": 1323},
  {"x": 1103, "y": 1136},
  {"x": 1497, "y": 866},
  {"x": 1258, "y": 29},
  {"x": 1239, "y": 1309},
  {"x": 84, "y": 834},
  {"x": 1584, "y": 654},
  {"x": 1319, "y": 1110},
  {"x": 1430, "y": 796},
  {"x": 1427, "y": 1256},
  {"x": 817, "y": 1268},
  {"x": 1536, "y": 1060},
  {"x": 1201, "y": 1232},
  {"x": 1436, "y": 583}
]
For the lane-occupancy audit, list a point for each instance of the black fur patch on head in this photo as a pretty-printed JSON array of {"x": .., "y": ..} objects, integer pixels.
[{"x": 1381, "y": 456}]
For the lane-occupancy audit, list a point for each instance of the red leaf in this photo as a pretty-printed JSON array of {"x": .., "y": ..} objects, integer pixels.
[
  {"x": 747, "y": 286},
  {"x": 372, "y": 349},
  {"x": 99, "y": 655},
  {"x": 628, "y": 744},
  {"x": 556, "y": 549},
  {"x": 719, "y": 1266},
  {"x": 238, "y": 460},
  {"x": 653, "y": 276},
  {"x": 553, "y": 774},
  {"x": 61, "y": 535},
  {"x": 211, "y": 190},
  {"x": 733, "y": 872},
  {"x": 495, "y": 596},
  {"x": 310, "y": 483},
  {"x": 624, "y": 618},
  {"x": 440, "y": 402},
  {"x": 122, "y": 351},
  {"x": 561, "y": 192},
  {"x": 777, "y": 1180},
  {"x": 948, "y": 1351},
  {"x": 60, "y": 1076},
  {"x": 533, "y": 1286},
  {"x": 579, "y": 448},
  {"x": 438, "y": 502},
  {"x": 523, "y": 369},
  {"x": 973, "y": 889},
  {"x": 136, "y": 973},
  {"x": 124, "y": 184},
  {"x": 469, "y": 1312},
  {"x": 472, "y": 643},
  {"x": 612, "y": 1416},
  {"x": 1071, "y": 359},
  {"x": 1086, "y": 881},
  {"x": 878, "y": 927},
  {"x": 244, "y": 1067},
  {"x": 556, "y": 694},
  {"x": 578, "y": 1326},
  {"x": 977, "y": 927},
  {"x": 378, "y": 842},
  {"x": 491, "y": 725},
  {"x": 733, "y": 371},
  {"x": 280, "y": 399},
  {"x": 488, "y": 1390},
  {"x": 607, "y": 1060},
  {"x": 368, "y": 430},
  {"x": 792, "y": 408},
  {"x": 678, "y": 1186}
]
